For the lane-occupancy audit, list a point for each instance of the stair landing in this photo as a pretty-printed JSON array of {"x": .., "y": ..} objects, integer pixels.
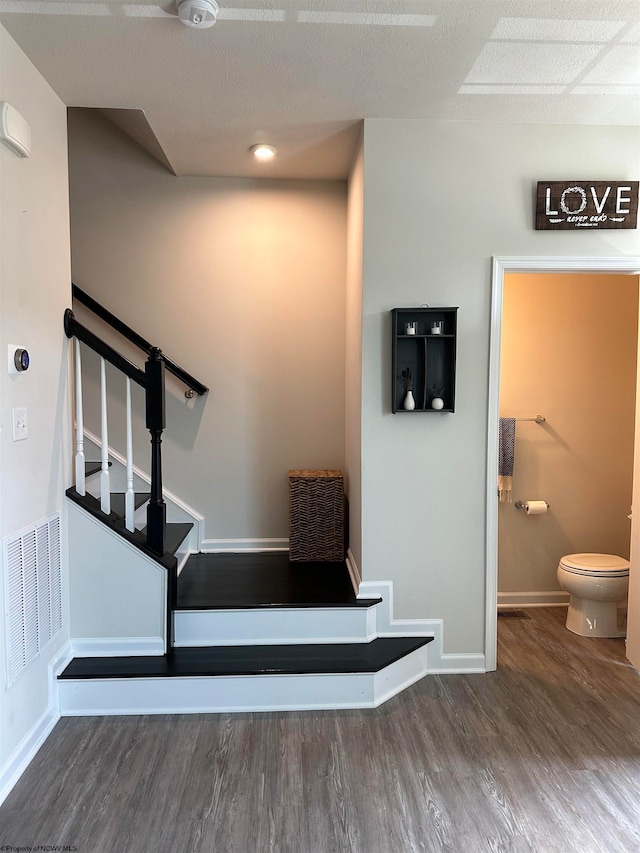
[{"x": 242, "y": 581}]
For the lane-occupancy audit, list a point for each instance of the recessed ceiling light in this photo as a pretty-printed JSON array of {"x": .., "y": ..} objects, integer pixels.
[{"x": 263, "y": 151}]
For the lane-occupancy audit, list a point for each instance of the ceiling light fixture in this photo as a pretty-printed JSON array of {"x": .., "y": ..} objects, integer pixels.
[
  {"x": 200, "y": 14},
  {"x": 263, "y": 151}
]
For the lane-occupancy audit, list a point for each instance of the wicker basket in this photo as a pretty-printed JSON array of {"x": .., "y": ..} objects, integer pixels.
[{"x": 316, "y": 516}]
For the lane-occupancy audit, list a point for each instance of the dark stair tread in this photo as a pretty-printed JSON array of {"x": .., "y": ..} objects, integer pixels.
[
  {"x": 116, "y": 523},
  {"x": 264, "y": 580},
  {"x": 251, "y": 660},
  {"x": 118, "y": 501},
  {"x": 93, "y": 468},
  {"x": 174, "y": 535}
]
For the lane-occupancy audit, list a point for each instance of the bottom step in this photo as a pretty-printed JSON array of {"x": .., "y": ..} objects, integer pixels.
[
  {"x": 242, "y": 678},
  {"x": 213, "y": 661}
]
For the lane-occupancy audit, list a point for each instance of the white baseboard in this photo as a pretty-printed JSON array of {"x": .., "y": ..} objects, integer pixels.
[
  {"x": 457, "y": 664},
  {"x": 56, "y": 666},
  {"x": 239, "y": 546},
  {"x": 182, "y": 559},
  {"x": 548, "y": 598},
  {"x": 106, "y": 647},
  {"x": 354, "y": 572},
  {"x": 23, "y": 754},
  {"x": 387, "y": 626}
]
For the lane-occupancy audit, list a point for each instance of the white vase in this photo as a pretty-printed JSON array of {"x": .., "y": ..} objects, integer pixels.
[
  {"x": 437, "y": 403},
  {"x": 409, "y": 403}
]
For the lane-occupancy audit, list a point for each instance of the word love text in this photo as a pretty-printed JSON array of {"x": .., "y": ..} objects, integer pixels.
[{"x": 565, "y": 205}]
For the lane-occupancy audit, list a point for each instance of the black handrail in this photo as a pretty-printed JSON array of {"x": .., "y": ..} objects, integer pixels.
[
  {"x": 111, "y": 319},
  {"x": 136, "y": 339},
  {"x": 75, "y": 329}
]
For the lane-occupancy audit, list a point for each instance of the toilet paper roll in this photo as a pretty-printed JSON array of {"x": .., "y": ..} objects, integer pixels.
[{"x": 535, "y": 507}]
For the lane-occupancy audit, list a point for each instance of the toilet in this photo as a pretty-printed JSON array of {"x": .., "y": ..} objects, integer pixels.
[{"x": 597, "y": 584}]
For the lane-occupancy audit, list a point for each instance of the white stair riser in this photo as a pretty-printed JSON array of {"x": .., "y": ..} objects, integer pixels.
[
  {"x": 274, "y": 626},
  {"x": 240, "y": 693}
]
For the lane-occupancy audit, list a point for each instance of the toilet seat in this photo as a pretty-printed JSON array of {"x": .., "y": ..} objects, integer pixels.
[{"x": 595, "y": 565}]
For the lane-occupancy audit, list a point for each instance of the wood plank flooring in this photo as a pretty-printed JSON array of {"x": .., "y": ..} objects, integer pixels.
[
  {"x": 543, "y": 755},
  {"x": 227, "y": 581}
]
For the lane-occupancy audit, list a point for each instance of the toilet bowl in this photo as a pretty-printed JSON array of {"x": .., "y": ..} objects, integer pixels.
[{"x": 597, "y": 584}]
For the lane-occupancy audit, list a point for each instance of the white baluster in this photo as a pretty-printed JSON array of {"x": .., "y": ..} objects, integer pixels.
[
  {"x": 129, "y": 503},
  {"x": 79, "y": 458},
  {"x": 105, "y": 486}
]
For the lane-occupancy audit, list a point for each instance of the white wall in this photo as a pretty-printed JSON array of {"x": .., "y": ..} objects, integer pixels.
[
  {"x": 242, "y": 282},
  {"x": 569, "y": 348},
  {"x": 34, "y": 291},
  {"x": 353, "y": 361},
  {"x": 441, "y": 198}
]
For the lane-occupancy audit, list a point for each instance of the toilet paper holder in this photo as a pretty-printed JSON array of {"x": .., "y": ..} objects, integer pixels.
[{"x": 521, "y": 505}]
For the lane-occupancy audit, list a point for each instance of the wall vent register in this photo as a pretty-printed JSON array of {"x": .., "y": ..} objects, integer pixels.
[{"x": 33, "y": 592}]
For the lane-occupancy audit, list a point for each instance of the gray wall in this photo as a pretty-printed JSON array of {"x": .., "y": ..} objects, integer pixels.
[
  {"x": 34, "y": 291},
  {"x": 242, "y": 282},
  {"x": 440, "y": 199}
]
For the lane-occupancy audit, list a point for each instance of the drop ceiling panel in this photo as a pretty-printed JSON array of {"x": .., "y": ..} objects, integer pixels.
[
  {"x": 555, "y": 29},
  {"x": 302, "y": 74},
  {"x": 620, "y": 65},
  {"x": 532, "y": 63}
]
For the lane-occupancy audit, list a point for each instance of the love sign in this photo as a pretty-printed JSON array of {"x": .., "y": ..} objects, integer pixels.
[{"x": 585, "y": 205}]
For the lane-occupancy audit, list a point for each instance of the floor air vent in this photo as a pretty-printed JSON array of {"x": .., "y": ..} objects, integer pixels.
[
  {"x": 513, "y": 614},
  {"x": 33, "y": 592}
]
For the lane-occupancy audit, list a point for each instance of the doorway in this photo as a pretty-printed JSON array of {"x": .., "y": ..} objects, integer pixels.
[{"x": 501, "y": 267}]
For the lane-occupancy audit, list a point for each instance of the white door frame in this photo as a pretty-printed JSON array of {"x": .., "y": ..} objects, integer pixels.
[{"x": 501, "y": 265}]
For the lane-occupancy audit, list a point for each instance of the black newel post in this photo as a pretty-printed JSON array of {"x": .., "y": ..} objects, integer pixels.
[{"x": 156, "y": 422}]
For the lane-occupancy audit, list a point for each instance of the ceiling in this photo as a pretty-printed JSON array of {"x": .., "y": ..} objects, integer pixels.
[{"x": 301, "y": 74}]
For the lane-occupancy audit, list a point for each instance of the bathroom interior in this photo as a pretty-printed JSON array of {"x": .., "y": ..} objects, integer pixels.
[{"x": 568, "y": 353}]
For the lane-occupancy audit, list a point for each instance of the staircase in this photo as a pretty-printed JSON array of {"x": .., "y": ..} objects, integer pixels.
[
  {"x": 296, "y": 641},
  {"x": 240, "y": 632}
]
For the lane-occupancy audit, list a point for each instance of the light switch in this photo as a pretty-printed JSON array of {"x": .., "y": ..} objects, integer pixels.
[{"x": 20, "y": 429}]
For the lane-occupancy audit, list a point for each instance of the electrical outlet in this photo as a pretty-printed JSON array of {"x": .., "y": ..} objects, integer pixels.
[{"x": 20, "y": 429}]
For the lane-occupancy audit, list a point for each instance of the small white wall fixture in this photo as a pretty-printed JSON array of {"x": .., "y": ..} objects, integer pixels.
[{"x": 629, "y": 265}]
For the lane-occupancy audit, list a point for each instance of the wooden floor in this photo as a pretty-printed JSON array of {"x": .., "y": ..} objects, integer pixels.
[
  {"x": 228, "y": 581},
  {"x": 543, "y": 755}
]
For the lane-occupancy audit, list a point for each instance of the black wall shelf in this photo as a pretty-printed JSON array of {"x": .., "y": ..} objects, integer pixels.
[{"x": 430, "y": 357}]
